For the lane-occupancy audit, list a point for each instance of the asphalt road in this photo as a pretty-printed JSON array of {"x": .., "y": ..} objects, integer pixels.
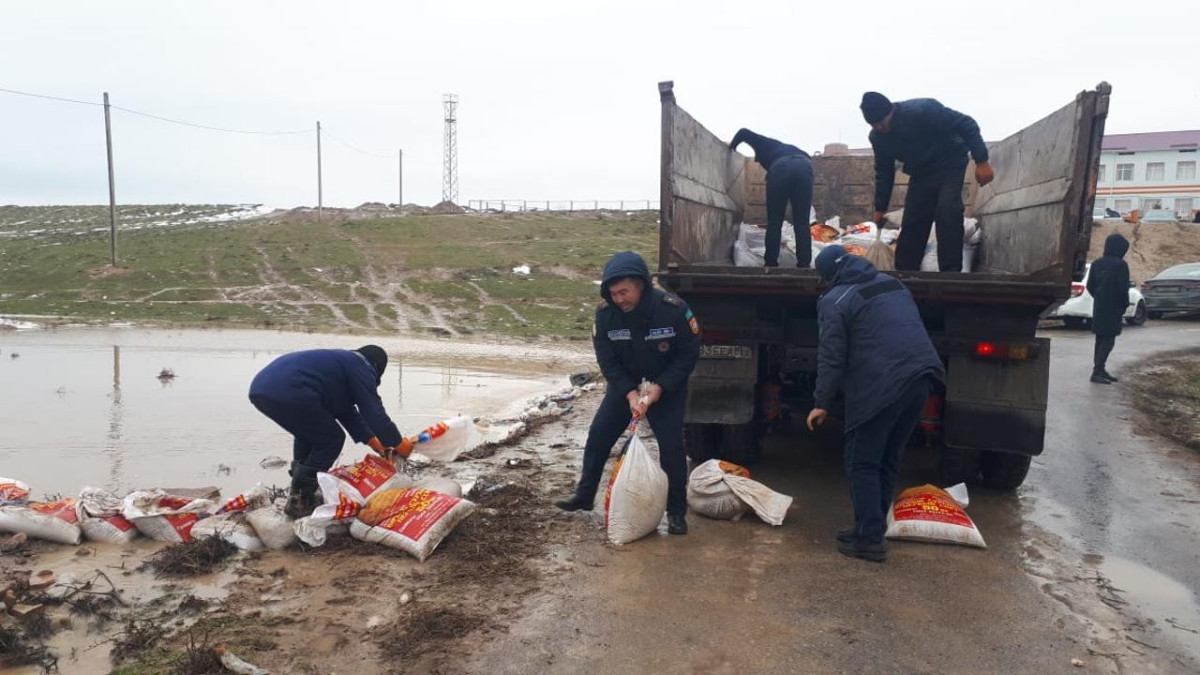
[{"x": 1094, "y": 559}]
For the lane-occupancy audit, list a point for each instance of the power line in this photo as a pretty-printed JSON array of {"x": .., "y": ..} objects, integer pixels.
[
  {"x": 50, "y": 98},
  {"x": 212, "y": 128},
  {"x": 160, "y": 118},
  {"x": 325, "y": 130}
]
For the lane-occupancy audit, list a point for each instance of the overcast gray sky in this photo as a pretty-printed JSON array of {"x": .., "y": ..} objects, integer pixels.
[{"x": 558, "y": 99}]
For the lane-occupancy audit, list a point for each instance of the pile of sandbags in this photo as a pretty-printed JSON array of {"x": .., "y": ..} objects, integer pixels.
[{"x": 751, "y": 246}]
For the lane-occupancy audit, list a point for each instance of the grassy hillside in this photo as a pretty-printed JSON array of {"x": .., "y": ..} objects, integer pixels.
[{"x": 447, "y": 274}]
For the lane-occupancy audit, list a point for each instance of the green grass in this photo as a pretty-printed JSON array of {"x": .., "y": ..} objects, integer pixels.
[{"x": 277, "y": 272}]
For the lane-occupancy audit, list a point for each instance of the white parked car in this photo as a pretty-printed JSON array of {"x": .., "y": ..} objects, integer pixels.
[{"x": 1077, "y": 310}]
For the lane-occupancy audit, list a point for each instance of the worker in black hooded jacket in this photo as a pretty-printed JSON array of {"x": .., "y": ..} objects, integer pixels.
[
  {"x": 789, "y": 180},
  {"x": 1108, "y": 283},
  {"x": 874, "y": 348},
  {"x": 641, "y": 332},
  {"x": 932, "y": 141},
  {"x": 310, "y": 393}
]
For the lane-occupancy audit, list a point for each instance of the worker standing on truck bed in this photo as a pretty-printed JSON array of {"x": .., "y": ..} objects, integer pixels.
[
  {"x": 874, "y": 348},
  {"x": 789, "y": 180},
  {"x": 932, "y": 141},
  {"x": 1108, "y": 282},
  {"x": 308, "y": 393},
  {"x": 641, "y": 332}
]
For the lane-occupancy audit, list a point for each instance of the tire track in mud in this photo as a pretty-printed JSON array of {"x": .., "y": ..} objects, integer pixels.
[
  {"x": 391, "y": 288},
  {"x": 272, "y": 279},
  {"x": 485, "y": 299}
]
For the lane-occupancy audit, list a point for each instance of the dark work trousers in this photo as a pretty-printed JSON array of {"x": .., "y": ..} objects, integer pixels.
[
  {"x": 666, "y": 420},
  {"x": 1104, "y": 347},
  {"x": 930, "y": 200},
  {"x": 873, "y": 451},
  {"x": 790, "y": 180},
  {"x": 318, "y": 438}
]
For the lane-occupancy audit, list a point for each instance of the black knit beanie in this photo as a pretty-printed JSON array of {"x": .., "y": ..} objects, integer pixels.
[
  {"x": 375, "y": 355},
  {"x": 875, "y": 106}
]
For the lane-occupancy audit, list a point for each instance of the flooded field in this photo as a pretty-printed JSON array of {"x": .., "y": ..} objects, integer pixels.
[{"x": 87, "y": 407}]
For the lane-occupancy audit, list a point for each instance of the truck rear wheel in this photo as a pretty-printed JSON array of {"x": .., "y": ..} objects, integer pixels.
[
  {"x": 1005, "y": 470},
  {"x": 959, "y": 465},
  {"x": 737, "y": 443}
]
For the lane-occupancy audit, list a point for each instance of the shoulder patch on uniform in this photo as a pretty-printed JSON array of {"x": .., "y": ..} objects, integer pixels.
[{"x": 672, "y": 300}]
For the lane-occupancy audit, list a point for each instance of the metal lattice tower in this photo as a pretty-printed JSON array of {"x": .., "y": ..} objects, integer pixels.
[{"x": 450, "y": 149}]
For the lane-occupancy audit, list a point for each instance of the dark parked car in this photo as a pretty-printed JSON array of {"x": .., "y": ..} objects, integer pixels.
[{"x": 1175, "y": 289}]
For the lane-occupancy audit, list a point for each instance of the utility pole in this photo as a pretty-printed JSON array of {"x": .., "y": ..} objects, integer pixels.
[
  {"x": 401, "y": 186},
  {"x": 320, "y": 196},
  {"x": 112, "y": 185}
]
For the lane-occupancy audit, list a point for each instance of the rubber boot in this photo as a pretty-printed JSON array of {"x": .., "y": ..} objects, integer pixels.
[
  {"x": 302, "y": 495},
  {"x": 577, "y": 502}
]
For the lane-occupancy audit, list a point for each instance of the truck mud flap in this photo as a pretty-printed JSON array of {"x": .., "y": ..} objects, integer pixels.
[{"x": 982, "y": 427}]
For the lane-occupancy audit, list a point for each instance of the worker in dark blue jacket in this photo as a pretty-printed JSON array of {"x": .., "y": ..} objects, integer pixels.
[
  {"x": 641, "y": 332},
  {"x": 1108, "y": 284},
  {"x": 932, "y": 141},
  {"x": 873, "y": 347},
  {"x": 789, "y": 180},
  {"x": 309, "y": 393}
]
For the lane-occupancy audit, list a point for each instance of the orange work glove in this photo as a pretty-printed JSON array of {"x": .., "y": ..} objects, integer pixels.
[
  {"x": 377, "y": 446},
  {"x": 984, "y": 174},
  {"x": 405, "y": 448}
]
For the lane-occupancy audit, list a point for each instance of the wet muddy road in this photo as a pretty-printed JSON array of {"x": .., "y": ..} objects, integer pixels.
[
  {"x": 1094, "y": 559},
  {"x": 86, "y": 406}
]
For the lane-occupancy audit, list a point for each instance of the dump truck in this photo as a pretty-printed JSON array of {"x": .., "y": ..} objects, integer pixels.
[{"x": 760, "y": 338}]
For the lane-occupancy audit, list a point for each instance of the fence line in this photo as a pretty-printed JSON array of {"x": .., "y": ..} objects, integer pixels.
[{"x": 569, "y": 205}]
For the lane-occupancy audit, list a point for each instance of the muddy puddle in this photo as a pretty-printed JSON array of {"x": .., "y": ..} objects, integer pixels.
[
  {"x": 1161, "y": 599},
  {"x": 81, "y": 406}
]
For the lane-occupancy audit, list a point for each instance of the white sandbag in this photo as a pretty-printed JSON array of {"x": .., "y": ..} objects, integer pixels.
[
  {"x": 108, "y": 529},
  {"x": 749, "y": 250},
  {"x": 770, "y": 506},
  {"x": 366, "y": 476},
  {"x": 254, "y": 498},
  {"x": 49, "y": 521},
  {"x": 445, "y": 486},
  {"x": 13, "y": 490},
  {"x": 101, "y": 520},
  {"x": 232, "y": 527},
  {"x": 413, "y": 520},
  {"x": 273, "y": 526},
  {"x": 880, "y": 254},
  {"x": 929, "y": 263},
  {"x": 164, "y": 517},
  {"x": 344, "y": 490},
  {"x": 637, "y": 495},
  {"x": 446, "y": 440},
  {"x": 709, "y": 495},
  {"x": 928, "y": 513}
]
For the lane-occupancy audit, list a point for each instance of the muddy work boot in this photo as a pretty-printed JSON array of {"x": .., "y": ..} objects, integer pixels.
[
  {"x": 676, "y": 524},
  {"x": 1108, "y": 376},
  {"x": 864, "y": 550},
  {"x": 302, "y": 495},
  {"x": 577, "y": 502},
  {"x": 845, "y": 536},
  {"x": 1100, "y": 379}
]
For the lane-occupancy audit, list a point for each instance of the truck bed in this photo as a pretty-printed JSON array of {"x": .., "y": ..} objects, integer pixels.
[{"x": 1035, "y": 217}]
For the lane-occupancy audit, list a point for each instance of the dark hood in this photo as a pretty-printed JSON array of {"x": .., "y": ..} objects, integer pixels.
[
  {"x": 377, "y": 357},
  {"x": 853, "y": 270},
  {"x": 1116, "y": 246},
  {"x": 625, "y": 264}
]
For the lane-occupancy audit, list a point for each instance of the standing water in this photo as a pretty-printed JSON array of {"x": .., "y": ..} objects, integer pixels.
[{"x": 87, "y": 406}]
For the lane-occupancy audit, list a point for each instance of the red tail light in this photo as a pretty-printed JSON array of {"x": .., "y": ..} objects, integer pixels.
[
  {"x": 1077, "y": 290},
  {"x": 991, "y": 350},
  {"x": 931, "y": 417}
]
